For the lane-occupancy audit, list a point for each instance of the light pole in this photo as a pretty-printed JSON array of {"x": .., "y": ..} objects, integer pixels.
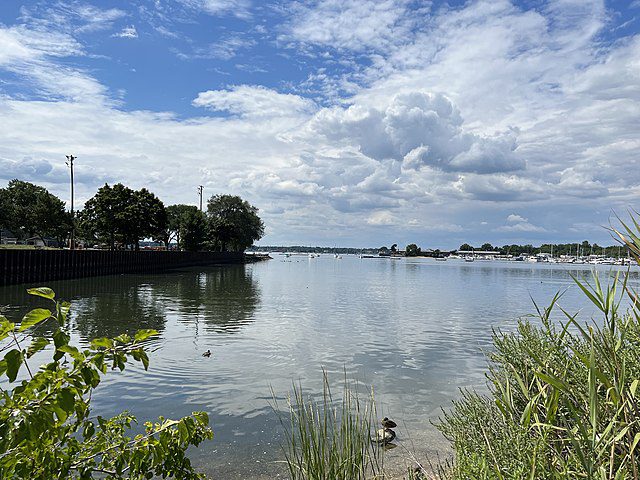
[
  {"x": 200, "y": 189},
  {"x": 69, "y": 163}
]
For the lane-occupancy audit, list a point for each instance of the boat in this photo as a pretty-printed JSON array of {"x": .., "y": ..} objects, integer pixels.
[
  {"x": 441, "y": 259},
  {"x": 469, "y": 258}
]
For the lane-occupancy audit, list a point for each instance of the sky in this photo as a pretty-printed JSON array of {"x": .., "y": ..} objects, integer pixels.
[{"x": 345, "y": 122}]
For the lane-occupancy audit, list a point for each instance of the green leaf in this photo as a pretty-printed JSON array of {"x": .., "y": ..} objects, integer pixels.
[
  {"x": 6, "y": 327},
  {"x": 101, "y": 343},
  {"x": 67, "y": 400},
  {"x": 142, "y": 335},
  {"x": 45, "y": 292},
  {"x": 36, "y": 345},
  {"x": 73, "y": 351},
  {"x": 14, "y": 359},
  {"x": 34, "y": 317},
  {"x": 60, "y": 338},
  {"x": 3, "y": 366}
]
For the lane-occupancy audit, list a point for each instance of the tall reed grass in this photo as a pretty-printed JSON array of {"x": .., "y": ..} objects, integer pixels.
[
  {"x": 563, "y": 397},
  {"x": 330, "y": 438}
]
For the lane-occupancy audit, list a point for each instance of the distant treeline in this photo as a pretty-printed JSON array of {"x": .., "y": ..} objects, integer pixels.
[
  {"x": 575, "y": 249},
  {"x": 303, "y": 249}
]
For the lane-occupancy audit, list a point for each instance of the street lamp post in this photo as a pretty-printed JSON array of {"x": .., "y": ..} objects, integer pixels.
[
  {"x": 200, "y": 189},
  {"x": 72, "y": 245}
]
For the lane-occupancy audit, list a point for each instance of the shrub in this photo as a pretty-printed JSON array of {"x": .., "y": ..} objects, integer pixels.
[
  {"x": 46, "y": 427},
  {"x": 563, "y": 398}
]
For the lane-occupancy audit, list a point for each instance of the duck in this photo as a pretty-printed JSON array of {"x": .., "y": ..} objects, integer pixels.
[
  {"x": 207, "y": 353},
  {"x": 388, "y": 423},
  {"x": 385, "y": 436}
]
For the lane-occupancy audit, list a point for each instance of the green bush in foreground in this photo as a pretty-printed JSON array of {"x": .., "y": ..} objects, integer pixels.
[
  {"x": 46, "y": 427},
  {"x": 563, "y": 398}
]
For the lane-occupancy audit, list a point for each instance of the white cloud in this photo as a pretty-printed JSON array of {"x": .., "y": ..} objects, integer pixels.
[
  {"x": 239, "y": 8},
  {"x": 418, "y": 129},
  {"x": 127, "y": 32},
  {"x": 254, "y": 101},
  {"x": 381, "y": 218},
  {"x": 516, "y": 218},
  {"x": 349, "y": 24}
]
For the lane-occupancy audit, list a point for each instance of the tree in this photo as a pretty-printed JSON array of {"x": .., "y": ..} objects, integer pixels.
[
  {"x": 47, "y": 428},
  {"x": 394, "y": 248},
  {"x": 6, "y": 211},
  {"x": 234, "y": 224},
  {"x": 177, "y": 215},
  {"x": 412, "y": 250},
  {"x": 193, "y": 231},
  {"x": 120, "y": 214},
  {"x": 486, "y": 247},
  {"x": 33, "y": 211},
  {"x": 148, "y": 218},
  {"x": 465, "y": 247}
]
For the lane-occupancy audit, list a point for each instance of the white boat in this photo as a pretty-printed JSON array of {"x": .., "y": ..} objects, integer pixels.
[{"x": 469, "y": 258}]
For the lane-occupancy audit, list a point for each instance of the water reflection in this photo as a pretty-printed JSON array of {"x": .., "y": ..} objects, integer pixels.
[{"x": 414, "y": 329}]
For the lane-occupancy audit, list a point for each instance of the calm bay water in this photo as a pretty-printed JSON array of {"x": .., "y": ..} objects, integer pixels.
[{"x": 414, "y": 329}]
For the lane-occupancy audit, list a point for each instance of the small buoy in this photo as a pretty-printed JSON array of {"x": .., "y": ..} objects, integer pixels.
[{"x": 207, "y": 353}]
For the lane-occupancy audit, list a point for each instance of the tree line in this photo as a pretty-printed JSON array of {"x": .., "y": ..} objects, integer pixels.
[
  {"x": 119, "y": 217},
  {"x": 583, "y": 248}
]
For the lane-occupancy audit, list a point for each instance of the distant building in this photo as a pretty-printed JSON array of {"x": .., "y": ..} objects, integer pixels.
[{"x": 7, "y": 237}]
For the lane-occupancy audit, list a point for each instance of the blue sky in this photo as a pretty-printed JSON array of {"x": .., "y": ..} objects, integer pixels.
[{"x": 352, "y": 122}]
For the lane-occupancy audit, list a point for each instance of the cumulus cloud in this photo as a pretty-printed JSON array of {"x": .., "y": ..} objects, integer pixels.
[
  {"x": 254, "y": 101},
  {"x": 418, "y": 129}
]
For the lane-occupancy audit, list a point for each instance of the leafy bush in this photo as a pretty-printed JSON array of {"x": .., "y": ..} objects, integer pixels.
[
  {"x": 46, "y": 427},
  {"x": 563, "y": 398}
]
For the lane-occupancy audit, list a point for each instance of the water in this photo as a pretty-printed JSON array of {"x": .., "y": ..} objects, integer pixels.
[{"x": 414, "y": 329}]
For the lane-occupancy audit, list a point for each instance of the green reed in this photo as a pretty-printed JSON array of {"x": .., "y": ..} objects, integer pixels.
[
  {"x": 329, "y": 438},
  {"x": 563, "y": 396}
]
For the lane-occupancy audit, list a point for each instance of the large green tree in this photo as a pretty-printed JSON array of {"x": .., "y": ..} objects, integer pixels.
[
  {"x": 33, "y": 211},
  {"x": 193, "y": 231},
  {"x": 120, "y": 214},
  {"x": 234, "y": 224},
  {"x": 183, "y": 220}
]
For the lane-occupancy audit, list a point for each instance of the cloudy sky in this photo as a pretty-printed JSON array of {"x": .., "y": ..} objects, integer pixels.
[{"x": 346, "y": 122}]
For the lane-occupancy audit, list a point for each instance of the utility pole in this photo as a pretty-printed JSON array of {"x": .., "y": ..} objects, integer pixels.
[
  {"x": 72, "y": 245},
  {"x": 200, "y": 189}
]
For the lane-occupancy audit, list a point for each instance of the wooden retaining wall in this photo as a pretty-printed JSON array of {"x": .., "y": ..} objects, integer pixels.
[{"x": 37, "y": 266}]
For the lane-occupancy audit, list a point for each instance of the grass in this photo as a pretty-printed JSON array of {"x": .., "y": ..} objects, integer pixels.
[
  {"x": 330, "y": 438},
  {"x": 563, "y": 397}
]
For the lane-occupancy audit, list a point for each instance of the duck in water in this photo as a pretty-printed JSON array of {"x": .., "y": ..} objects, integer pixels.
[
  {"x": 385, "y": 435},
  {"x": 207, "y": 353}
]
